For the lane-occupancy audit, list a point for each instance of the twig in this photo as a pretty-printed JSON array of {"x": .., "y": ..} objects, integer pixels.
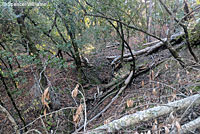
[
  {"x": 85, "y": 110},
  {"x": 169, "y": 87},
  {"x": 45, "y": 128},
  {"x": 99, "y": 103},
  {"x": 188, "y": 127},
  {"x": 46, "y": 115},
  {"x": 57, "y": 127},
  {"x": 113, "y": 99},
  {"x": 32, "y": 130},
  {"x": 188, "y": 14},
  {"x": 183, "y": 115},
  {"x": 129, "y": 26},
  {"x": 186, "y": 34}
]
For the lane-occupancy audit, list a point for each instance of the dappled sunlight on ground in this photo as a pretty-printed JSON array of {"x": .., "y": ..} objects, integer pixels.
[{"x": 88, "y": 49}]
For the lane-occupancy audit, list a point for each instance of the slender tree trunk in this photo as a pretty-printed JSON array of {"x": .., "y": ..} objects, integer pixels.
[
  {"x": 123, "y": 45},
  {"x": 70, "y": 27},
  {"x": 175, "y": 54},
  {"x": 129, "y": 48},
  {"x": 149, "y": 18},
  {"x": 12, "y": 100},
  {"x": 189, "y": 44}
]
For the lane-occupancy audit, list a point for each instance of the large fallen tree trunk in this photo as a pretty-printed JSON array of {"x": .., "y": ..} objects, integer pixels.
[
  {"x": 188, "y": 127},
  {"x": 146, "y": 115}
]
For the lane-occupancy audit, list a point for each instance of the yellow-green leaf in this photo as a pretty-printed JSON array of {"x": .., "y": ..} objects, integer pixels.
[{"x": 198, "y": 1}]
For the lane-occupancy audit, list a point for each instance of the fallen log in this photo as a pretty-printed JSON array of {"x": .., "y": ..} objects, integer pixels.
[
  {"x": 148, "y": 49},
  {"x": 188, "y": 127},
  {"x": 108, "y": 88},
  {"x": 151, "y": 43},
  {"x": 136, "y": 53},
  {"x": 146, "y": 115}
]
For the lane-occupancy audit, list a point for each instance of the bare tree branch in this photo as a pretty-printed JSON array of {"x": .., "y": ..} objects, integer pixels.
[
  {"x": 146, "y": 115},
  {"x": 185, "y": 30},
  {"x": 12, "y": 120},
  {"x": 129, "y": 26}
]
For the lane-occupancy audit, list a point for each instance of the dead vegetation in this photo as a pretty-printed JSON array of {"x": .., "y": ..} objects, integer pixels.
[{"x": 114, "y": 84}]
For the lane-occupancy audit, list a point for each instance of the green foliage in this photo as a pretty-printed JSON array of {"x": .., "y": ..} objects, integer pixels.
[
  {"x": 46, "y": 32},
  {"x": 196, "y": 88}
]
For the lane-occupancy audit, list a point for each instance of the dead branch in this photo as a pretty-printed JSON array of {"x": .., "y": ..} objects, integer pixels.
[
  {"x": 33, "y": 130},
  {"x": 42, "y": 116},
  {"x": 151, "y": 43},
  {"x": 188, "y": 127},
  {"x": 146, "y": 115},
  {"x": 12, "y": 120},
  {"x": 149, "y": 49},
  {"x": 184, "y": 28},
  {"x": 125, "y": 81}
]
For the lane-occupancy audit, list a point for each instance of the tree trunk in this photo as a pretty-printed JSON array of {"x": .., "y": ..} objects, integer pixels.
[
  {"x": 69, "y": 25},
  {"x": 31, "y": 46},
  {"x": 141, "y": 116}
]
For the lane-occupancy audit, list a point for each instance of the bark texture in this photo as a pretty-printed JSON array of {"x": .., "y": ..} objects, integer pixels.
[{"x": 141, "y": 116}]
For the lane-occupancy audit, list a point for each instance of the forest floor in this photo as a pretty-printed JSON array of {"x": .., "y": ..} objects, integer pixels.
[{"x": 171, "y": 82}]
